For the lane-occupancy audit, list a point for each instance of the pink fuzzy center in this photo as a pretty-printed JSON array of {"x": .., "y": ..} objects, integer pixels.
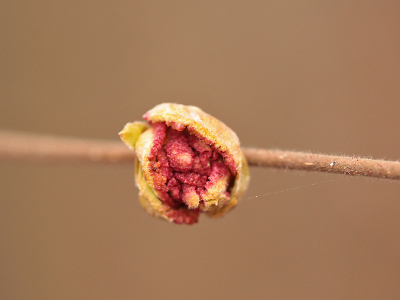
[{"x": 183, "y": 167}]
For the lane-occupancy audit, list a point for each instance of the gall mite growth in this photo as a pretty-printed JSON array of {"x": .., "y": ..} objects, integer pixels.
[{"x": 187, "y": 163}]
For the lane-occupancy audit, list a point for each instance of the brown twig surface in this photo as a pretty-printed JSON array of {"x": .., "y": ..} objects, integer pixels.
[
  {"x": 39, "y": 148},
  {"x": 347, "y": 165}
]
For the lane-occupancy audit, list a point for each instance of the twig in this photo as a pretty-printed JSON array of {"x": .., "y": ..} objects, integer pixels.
[
  {"x": 39, "y": 148},
  {"x": 323, "y": 163}
]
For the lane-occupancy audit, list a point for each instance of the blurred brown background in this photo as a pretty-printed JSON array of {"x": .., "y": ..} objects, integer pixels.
[{"x": 295, "y": 75}]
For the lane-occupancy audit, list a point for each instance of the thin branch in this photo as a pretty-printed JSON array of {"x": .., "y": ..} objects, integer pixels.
[
  {"x": 39, "y": 148},
  {"x": 347, "y": 165}
]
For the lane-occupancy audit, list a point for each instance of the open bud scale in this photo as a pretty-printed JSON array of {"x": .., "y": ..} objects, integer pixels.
[{"x": 187, "y": 162}]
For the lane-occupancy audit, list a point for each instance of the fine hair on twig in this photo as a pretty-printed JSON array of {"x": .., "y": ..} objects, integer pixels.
[{"x": 49, "y": 149}]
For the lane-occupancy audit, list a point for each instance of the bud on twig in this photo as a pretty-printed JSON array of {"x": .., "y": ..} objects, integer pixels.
[{"x": 187, "y": 162}]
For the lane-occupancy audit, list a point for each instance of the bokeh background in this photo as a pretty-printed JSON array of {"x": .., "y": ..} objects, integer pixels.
[{"x": 321, "y": 76}]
